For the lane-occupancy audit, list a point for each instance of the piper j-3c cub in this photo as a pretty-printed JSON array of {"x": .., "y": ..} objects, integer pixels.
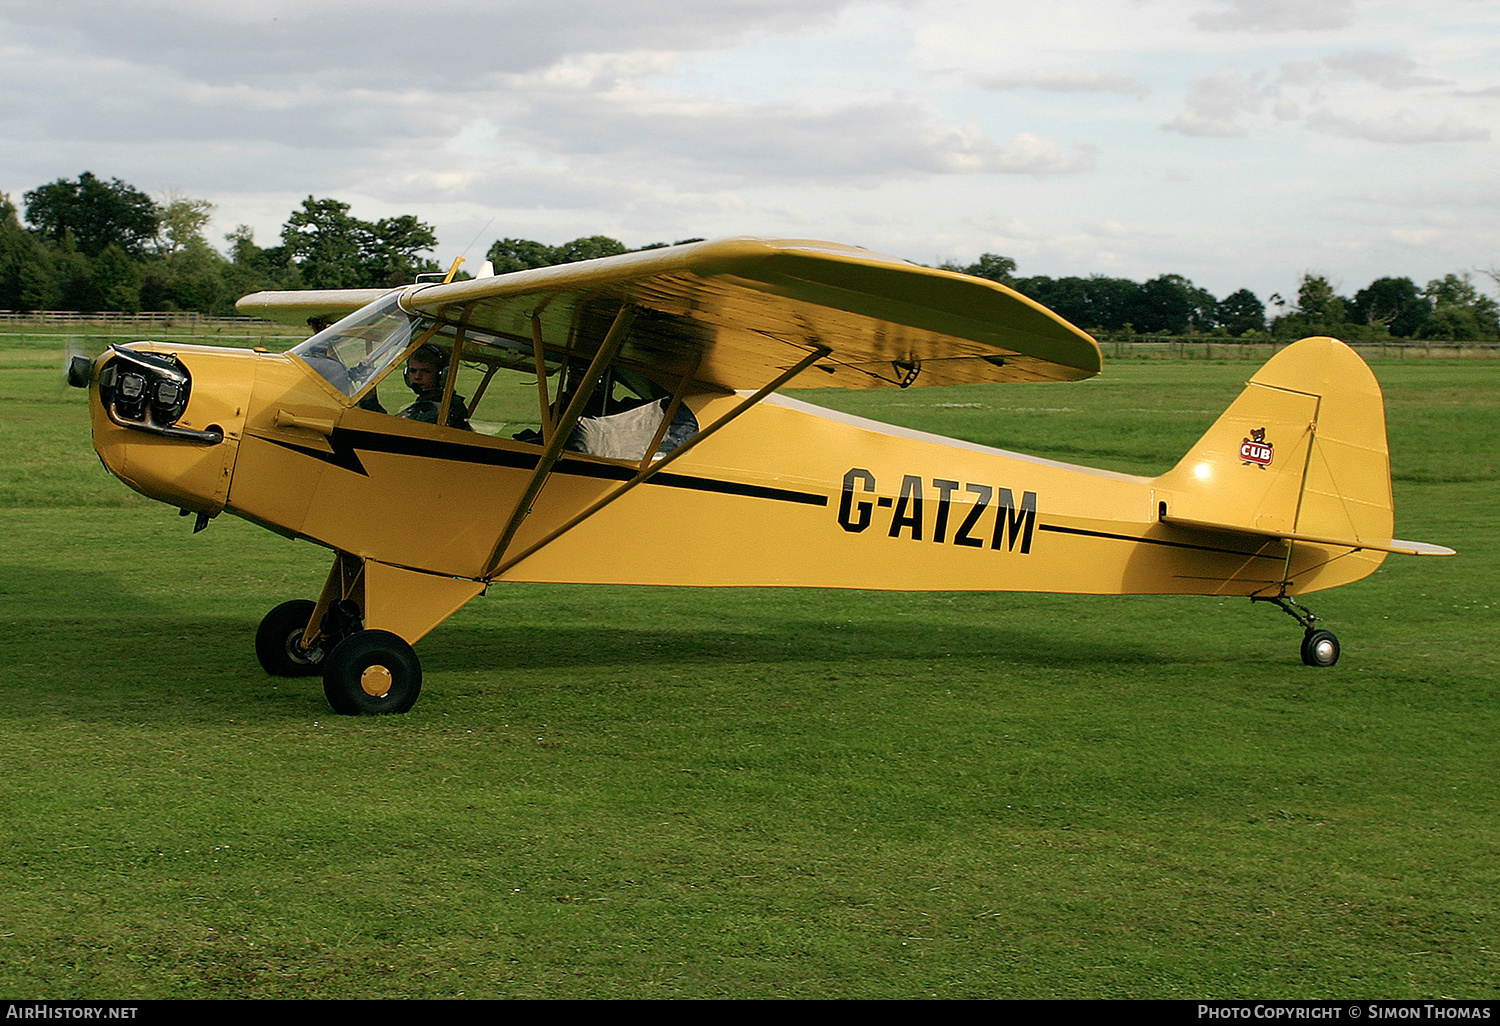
[{"x": 616, "y": 421}]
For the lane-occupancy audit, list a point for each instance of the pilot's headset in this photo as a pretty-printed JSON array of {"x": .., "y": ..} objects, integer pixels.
[{"x": 429, "y": 353}]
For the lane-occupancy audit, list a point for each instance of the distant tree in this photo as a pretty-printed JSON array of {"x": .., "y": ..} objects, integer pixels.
[
  {"x": 1096, "y": 303},
  {"x": 1318, "y": 302},
  {"x": 94, "y": 214},
  {"x": 1172, "y": 304},
  {"x": 194, "y": 277},
  {"x": 1240, "y": 312},
  {"x": 182, "y": 219},
  {"x": 1205, "y": 309},
  {"x": 389, "y": 250},
  {"x": 324, "y": 241},
  {"x": 1492, "y": 273},
  {"x": 1453, "y": 322},
  {"x": 73, "y": 275},
  {"x": 1459, "y": 311},
  {"x": 242, "y": 247},
  {"x": 1454, "y": 290},
  {"x": 523, "y": 254},
  {"x": 118, "y": 280},
  {"x": 992, "y": 266},
  {"x": 1111, "y": 300},
  {"x": 520, "y": 255},
  {"x": 590, "y": 247},
  {"x": 1320, "y": 311},
  {"x": 334, "y": 250},
  {"x": 251, "y": 268},
  {"x": 18, "y": 250},
  {"x": 1072, "y": 298},
  {"x": 39, "y": 287},
  {"x": 1392, "y": 303}
]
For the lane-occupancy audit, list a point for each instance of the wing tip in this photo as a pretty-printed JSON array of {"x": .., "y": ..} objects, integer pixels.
[{"x": 1413, "y": 548}]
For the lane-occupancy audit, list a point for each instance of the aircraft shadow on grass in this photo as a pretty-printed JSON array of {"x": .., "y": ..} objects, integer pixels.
[{"x": 195, "y": 661}]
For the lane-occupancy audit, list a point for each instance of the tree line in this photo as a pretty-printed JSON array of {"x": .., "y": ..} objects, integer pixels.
[
  {"x": 89, "y": 245},
  {"x": 1450, "y": 307}
]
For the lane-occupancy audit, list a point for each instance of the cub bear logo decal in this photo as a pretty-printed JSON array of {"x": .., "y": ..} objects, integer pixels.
[{"x": 1255, "y": 450}]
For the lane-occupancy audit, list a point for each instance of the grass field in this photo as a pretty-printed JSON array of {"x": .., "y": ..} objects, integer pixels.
[{"x": 612, "y": 792}]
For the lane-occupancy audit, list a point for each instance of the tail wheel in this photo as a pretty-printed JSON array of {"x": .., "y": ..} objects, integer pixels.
[
  {"x": 370, "y": 673},
  {"x": 278, "y": 641},
  {"x": 1320, "y": 648}
]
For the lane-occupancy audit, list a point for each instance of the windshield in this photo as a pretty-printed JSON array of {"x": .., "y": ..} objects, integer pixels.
[{"x": 353, "y": 351}]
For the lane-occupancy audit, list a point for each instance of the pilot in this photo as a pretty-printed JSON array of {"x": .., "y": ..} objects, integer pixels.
[{"x": 426, "y": 371}]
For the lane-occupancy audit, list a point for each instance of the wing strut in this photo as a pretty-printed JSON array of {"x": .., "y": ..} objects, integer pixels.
[
  {"x": 497, "y": 568},
  {"x": 541, "y": 375},
  {"x": 453, "y": 360},
  {"x": 672, "y": 407},
  {"x": 563, "y": 428}
]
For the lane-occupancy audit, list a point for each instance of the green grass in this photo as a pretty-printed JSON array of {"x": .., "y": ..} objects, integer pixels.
[{"x": 614, "y": 792}]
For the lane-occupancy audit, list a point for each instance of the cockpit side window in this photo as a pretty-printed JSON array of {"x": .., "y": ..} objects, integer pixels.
[
  {"x": 351, "y": 353},
  {"x": 480, "y": 380}
]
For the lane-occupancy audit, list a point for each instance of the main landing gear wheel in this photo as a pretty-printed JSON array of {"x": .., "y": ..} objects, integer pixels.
[
  {"x": 278, "y": 641},
  {"x": 1319, "y": 648},
  {"x": 372, "y": 672}
]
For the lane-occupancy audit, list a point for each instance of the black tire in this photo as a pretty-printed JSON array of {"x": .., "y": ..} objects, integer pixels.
[
  {"x": 371, "y": 673},
  {"x": 1320, "y": 648},
  {"x": 278, "y": 641}
]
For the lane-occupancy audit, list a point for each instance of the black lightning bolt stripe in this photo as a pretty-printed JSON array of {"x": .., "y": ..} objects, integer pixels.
[
  {"x": 347, "y": 444},
  {"x": 1155, "y": 541}
]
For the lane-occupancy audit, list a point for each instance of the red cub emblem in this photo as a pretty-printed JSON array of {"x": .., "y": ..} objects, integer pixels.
[{"x": 1255, "y": 450}]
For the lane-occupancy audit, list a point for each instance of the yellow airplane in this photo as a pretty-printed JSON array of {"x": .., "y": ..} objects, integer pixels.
[{"x": 616, "y": 421}]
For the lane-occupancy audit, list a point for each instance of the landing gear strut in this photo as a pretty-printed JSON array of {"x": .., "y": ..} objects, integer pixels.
[{"x": 1319, "y": 647}]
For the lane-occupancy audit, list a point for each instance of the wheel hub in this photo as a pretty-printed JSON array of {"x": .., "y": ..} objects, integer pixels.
[
  {"x": 376, "y": 681},
  {"x": 296, "y": 653}
]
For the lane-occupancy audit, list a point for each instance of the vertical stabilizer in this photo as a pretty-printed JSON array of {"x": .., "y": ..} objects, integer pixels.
[{"x": 1300, "y": 455}]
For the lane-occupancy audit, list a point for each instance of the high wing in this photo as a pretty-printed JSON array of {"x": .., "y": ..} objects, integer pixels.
[
  {"x": 735, "y": 313},
  {"x": 303, "y": 306}
]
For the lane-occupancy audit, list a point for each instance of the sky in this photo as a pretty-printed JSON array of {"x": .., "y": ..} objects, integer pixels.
[{"x": 1240, "y": 143}]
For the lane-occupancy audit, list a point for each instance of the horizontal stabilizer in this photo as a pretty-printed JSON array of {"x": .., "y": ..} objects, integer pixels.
[{"x": 1396, "y": 545}]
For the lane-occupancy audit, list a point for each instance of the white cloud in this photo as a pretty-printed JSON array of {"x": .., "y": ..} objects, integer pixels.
[
  {"x": 1385, "y": 69},
  {"x": 1058, "y": 81},
  {"x": 377, "y": 43},
  {"x": 1217, "y": 103},
  {"x": 1278, "y": 15},
  {"x": 1401, "y": 127},
  {"x": 735, "y": 142},
  {"x": 1029, "y": 154},
  {"x": 918, "y": 128},
  {"x": 1348, "y": 94}
]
